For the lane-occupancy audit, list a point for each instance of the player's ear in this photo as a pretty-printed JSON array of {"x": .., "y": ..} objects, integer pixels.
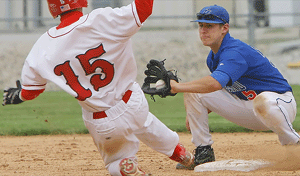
[{"x": 225, "y": 28}]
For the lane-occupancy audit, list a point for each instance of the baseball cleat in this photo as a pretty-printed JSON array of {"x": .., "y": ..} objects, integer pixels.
[
  {"x": 203, "y": 154},
  {"x": 129, "y": 167},
  {"x": 187, "y": 161},
  {"x": 182, "y": 156}
]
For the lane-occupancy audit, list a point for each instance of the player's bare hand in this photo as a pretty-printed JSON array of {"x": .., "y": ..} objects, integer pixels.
[{"x": 11, "y": 95}]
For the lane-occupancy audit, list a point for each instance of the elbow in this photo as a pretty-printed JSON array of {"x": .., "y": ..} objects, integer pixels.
[
  {"x": 150, "y": 5},
  {"x": 144, "y": 9},
  {"x": 218, "y": 80},
  {"x": 218, "y": 86},
  {"x": 149, "y": 11},
  {"x": 215, "y": 86}
]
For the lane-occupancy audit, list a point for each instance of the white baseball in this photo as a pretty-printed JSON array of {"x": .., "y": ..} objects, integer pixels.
[{"x": 160, "y": 84}]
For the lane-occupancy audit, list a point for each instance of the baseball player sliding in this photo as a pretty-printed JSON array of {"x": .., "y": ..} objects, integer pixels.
[
  {"x": 90, "y": 57},
  {"x": 243, "y": 87}
]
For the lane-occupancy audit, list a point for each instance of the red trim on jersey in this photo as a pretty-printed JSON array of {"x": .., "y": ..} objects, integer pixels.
[
  {"x": 69, "y": 30},
  {"x": 144, "y": 9},
  {"x": 32, "y": 85},
  {"x": 31, "y": 94},
  {"x": 134, "y": 16},
  {"x": 69, "y": 18}
]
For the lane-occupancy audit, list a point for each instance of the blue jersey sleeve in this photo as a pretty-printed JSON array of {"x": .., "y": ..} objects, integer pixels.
[
  {"x": 221, "y": 77},
  {"x": 243, "y": 69},
  {"x": 233, "y": 64}
]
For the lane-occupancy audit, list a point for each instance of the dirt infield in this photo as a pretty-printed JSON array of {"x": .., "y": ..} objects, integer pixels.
[{"x": 77, "y": 155}]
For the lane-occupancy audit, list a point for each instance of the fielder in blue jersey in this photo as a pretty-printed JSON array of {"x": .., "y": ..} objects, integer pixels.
[{"x": 244, "y": 87}]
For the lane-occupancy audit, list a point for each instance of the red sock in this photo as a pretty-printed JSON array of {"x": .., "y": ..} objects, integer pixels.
[{"x": 179, "y": 153}]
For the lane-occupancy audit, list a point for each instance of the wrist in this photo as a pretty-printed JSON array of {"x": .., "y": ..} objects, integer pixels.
[
  {"x": 20, "y": 96},
  {"x": 173, "y": 85}
]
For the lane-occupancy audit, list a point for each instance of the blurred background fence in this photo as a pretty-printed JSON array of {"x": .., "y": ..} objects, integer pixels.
[{"x": 28, "y": 15}]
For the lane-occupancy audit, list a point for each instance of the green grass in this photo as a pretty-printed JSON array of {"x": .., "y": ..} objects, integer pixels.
[
  {"x": 50, "y": 113},
  {"x": 59, "y": 113}
]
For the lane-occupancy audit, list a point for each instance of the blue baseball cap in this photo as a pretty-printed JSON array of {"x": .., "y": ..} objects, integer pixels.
[{"x": 213, "y": 14}]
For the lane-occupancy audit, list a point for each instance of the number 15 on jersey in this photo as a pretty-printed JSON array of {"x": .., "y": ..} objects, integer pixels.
[{"x": 97, "y": 80}]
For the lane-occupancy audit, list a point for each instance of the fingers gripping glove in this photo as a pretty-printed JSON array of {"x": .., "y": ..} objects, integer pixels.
[
  {"x": 157, "y": 71},
  {"x": 11, "y": 95}
]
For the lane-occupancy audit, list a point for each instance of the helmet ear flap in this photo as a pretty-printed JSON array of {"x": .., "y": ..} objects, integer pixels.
[{"x": 57, "y": 7}]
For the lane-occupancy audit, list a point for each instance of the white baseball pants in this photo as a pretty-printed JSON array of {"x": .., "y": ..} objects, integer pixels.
[
  {"x": 268, "y": 111},
  {"x": 117, "y": 136}
]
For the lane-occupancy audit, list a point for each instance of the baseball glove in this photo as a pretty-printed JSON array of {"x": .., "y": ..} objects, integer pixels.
[
  {"x": 11, "y": 95},
  {"x": 157, "y": 71}
]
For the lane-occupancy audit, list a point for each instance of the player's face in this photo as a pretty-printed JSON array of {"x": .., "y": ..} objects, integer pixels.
[{"x": 212, "y": 34}]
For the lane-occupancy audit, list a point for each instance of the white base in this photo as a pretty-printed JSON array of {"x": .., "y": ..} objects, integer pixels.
[{"x": 232, "y": 164}]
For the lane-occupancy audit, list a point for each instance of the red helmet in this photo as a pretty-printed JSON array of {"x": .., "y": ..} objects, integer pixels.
[{"x": 57, "y": 7}]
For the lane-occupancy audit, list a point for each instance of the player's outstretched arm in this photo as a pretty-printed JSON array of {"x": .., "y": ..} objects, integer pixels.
[
  {"x": 12, "y": 95},
  {"x": 19, "y": 95},
  {"x": 206, "y": 84}
]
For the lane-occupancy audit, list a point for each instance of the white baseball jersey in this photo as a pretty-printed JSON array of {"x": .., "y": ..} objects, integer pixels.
[
  {"x": 84, "y": 63},
  {"x": 92, "y": 59}
]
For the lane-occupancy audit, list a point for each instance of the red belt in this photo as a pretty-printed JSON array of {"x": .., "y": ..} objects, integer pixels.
[{"x": 102, "y": 114}]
